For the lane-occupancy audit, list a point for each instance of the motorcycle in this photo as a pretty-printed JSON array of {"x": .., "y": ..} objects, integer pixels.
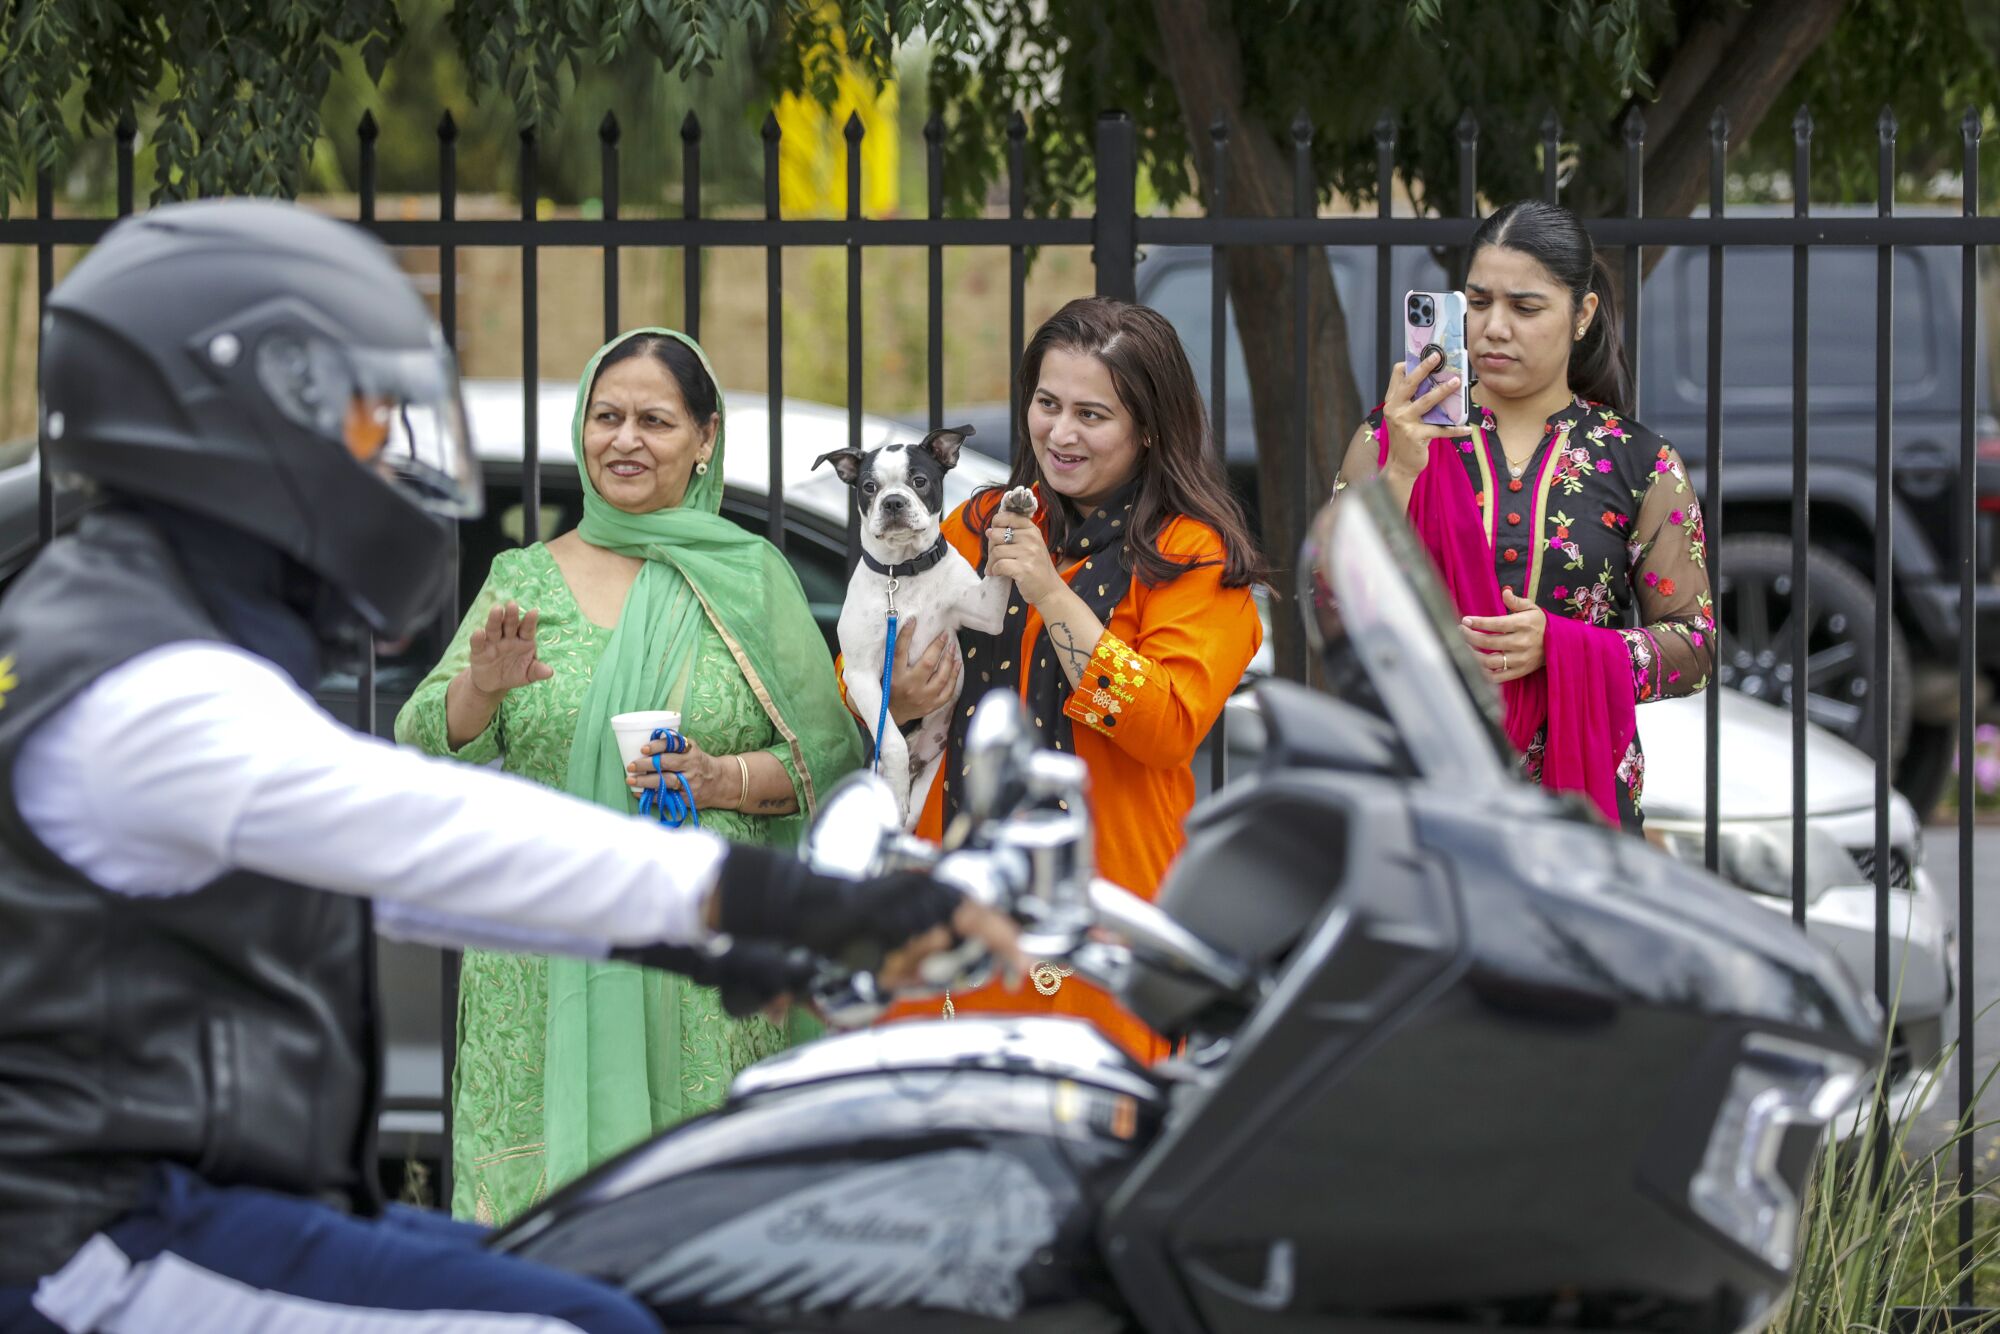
[{"x": 1453, "y": 1053}]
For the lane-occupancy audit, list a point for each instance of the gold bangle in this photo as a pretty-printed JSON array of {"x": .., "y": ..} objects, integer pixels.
[{"x": 743, "y": 797}]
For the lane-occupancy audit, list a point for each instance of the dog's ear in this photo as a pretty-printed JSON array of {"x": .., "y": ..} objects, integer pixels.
[
  {"x": 944, "y": 443},
  {"x": 846, "y": 462}
]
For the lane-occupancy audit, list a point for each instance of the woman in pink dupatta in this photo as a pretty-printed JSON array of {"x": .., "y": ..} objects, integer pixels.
[{"x": 1566, "y": 531}]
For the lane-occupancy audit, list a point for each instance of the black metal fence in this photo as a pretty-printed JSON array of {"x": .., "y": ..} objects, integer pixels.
[{"x": 1116, "y": 232}]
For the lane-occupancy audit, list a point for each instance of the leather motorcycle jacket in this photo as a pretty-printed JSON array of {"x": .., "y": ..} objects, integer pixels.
[{"x": 231, "y": 1029}]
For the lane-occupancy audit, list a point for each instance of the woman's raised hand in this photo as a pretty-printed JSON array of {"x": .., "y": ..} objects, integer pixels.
[
  {"x": 1403, "y": 412},
  {"x": 1016, "y": 549},
  {"x": 503, "y": 653}
]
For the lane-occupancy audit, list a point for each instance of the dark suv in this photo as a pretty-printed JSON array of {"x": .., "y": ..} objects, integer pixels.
[{"x": 1755, "y": 564}]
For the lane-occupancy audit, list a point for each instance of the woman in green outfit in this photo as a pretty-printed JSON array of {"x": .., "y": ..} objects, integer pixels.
[{"x": 654, "y": 602}]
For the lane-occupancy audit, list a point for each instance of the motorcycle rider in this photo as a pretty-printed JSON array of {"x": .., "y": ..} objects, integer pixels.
[{"x": 193, "y": 857}]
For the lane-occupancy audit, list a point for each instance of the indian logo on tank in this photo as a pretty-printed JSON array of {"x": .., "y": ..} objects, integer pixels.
[{"x": 949, "y": 1231}]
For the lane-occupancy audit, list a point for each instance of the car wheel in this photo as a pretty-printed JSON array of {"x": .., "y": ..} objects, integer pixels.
[{"x": 1754, "y": 603}]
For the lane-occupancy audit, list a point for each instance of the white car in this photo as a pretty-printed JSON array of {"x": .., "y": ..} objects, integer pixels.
[{"x": 1755, "y": 852}]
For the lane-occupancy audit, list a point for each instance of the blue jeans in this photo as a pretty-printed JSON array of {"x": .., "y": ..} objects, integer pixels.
[{"x": 194, "y": 1256}]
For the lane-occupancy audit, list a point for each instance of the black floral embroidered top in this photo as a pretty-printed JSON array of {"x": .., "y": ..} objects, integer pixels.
[{"x": 1601, "y": 526}]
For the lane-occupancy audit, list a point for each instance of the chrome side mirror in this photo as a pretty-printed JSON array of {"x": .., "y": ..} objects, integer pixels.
[
  {"x": 1052, "y": 837},
  {"x": 857, "y": 829},
  {"x": 999, "y": 748}
]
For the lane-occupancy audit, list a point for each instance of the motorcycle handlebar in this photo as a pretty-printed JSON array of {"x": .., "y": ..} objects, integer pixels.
[{"x": 1124, "y": 930}]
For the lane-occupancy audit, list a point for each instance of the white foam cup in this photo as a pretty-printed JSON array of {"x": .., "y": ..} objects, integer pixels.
[{"x": 633, "y": 730}]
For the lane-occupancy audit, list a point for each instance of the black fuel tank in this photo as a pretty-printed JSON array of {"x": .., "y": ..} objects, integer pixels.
[{"x": 920, "y": 1177}]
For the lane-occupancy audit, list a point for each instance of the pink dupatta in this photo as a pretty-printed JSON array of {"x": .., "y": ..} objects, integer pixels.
[{"x": 1586, "y": 667}]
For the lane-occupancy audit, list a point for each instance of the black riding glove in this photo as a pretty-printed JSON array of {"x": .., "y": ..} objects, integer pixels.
[
  {"x": 750, "y": 974},
  {"x": 769, "y": 896}
]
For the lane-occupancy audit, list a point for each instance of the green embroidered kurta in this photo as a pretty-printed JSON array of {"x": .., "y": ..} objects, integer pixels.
[{"x": 498, "y": 1155}]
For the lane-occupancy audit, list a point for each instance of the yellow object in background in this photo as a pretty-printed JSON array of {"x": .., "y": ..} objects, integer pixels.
[{"x": 812, "y": 150}]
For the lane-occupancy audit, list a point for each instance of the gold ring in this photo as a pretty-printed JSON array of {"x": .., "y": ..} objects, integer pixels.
[{"x": 1503, "y": 664}]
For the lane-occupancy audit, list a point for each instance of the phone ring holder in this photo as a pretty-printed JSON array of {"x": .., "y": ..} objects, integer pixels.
[{"x": 672, "y": 807}]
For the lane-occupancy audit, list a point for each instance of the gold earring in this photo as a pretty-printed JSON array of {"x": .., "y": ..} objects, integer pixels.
[{"x": 701, "y": 468}]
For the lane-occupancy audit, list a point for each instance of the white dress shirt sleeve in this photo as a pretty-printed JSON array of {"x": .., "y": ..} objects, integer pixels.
[{"x": 198, "y": 758}]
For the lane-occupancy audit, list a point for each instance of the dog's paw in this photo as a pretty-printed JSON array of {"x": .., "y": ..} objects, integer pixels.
[{"x": 1021, "y": 500}]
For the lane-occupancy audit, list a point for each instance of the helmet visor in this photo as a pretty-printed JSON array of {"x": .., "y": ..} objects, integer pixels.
[{"x": 397, "y": 412}]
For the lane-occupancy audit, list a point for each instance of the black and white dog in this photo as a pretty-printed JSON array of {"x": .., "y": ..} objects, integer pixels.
[{"x": 907, "y": 567}]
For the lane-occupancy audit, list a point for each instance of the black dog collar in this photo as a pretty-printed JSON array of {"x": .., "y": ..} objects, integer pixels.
[{"x": 905, "y": 569}]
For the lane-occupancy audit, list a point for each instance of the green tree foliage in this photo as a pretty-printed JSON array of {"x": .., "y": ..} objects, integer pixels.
[
  {"x": 426, "y": 75},
  {"x": 1340, "y": 66},
  {"x": 1929, "y": 60},
  {"x": 236, "y": 84},
  {"x": 239, "y": 86}
]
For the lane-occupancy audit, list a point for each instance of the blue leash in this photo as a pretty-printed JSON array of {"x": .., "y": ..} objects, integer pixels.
[
  {"x": 672, "y": 807},
  {"x": 888, "y": 676}
]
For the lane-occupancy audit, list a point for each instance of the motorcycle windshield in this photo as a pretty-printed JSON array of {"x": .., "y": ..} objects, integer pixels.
[{"x": 1387, "y": 629}]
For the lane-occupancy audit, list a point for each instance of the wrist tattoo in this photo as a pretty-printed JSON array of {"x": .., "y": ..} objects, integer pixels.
[
  {"x": 773, "y": 803},
  {"x": 1076, "y": 656}
]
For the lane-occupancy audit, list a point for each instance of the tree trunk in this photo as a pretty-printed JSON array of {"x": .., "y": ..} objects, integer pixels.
[
  {"x": 1737, "y": 58},
  {"x": 1201, "y": 55}
]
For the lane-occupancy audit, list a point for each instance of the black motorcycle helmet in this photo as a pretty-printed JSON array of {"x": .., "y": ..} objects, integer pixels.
[{"x": 261, "y": 366}]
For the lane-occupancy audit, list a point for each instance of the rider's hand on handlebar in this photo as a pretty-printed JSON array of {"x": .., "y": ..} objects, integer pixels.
[
  {"x": 998, "y": 932},
  {"x": 753, "y": 976},
  {"x": 888, "y": 924}
]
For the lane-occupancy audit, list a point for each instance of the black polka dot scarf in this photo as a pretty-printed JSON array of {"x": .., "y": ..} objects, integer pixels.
[{"x": 1093, "y": 561}]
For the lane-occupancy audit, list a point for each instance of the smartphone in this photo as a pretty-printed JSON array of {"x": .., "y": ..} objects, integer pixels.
[{"x": 1434, "y": 322}]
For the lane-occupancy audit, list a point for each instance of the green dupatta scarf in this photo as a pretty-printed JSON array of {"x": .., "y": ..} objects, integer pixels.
[{"x": 605, "y": 1055}]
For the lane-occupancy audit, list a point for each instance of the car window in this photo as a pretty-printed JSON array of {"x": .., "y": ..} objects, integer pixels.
[
  {"x": 1182, "y": 295},
  {"x": 1180, "y": 290},
  {"x": 1757, "y": 327},
  {"x": 818, "y": 558}
]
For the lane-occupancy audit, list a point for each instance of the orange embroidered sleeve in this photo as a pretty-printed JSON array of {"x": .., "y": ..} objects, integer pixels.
[{"x": 1156, "y": 698}]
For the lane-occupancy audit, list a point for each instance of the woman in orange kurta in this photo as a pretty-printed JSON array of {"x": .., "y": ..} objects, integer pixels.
[{"x": 1132, "y": 620}]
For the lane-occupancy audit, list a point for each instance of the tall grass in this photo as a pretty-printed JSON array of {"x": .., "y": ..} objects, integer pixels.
[{"x": 1879, "y": 1241}]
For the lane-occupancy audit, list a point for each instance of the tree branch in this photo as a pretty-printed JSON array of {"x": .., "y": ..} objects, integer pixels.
[{"x": 1740, "y": 65}]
